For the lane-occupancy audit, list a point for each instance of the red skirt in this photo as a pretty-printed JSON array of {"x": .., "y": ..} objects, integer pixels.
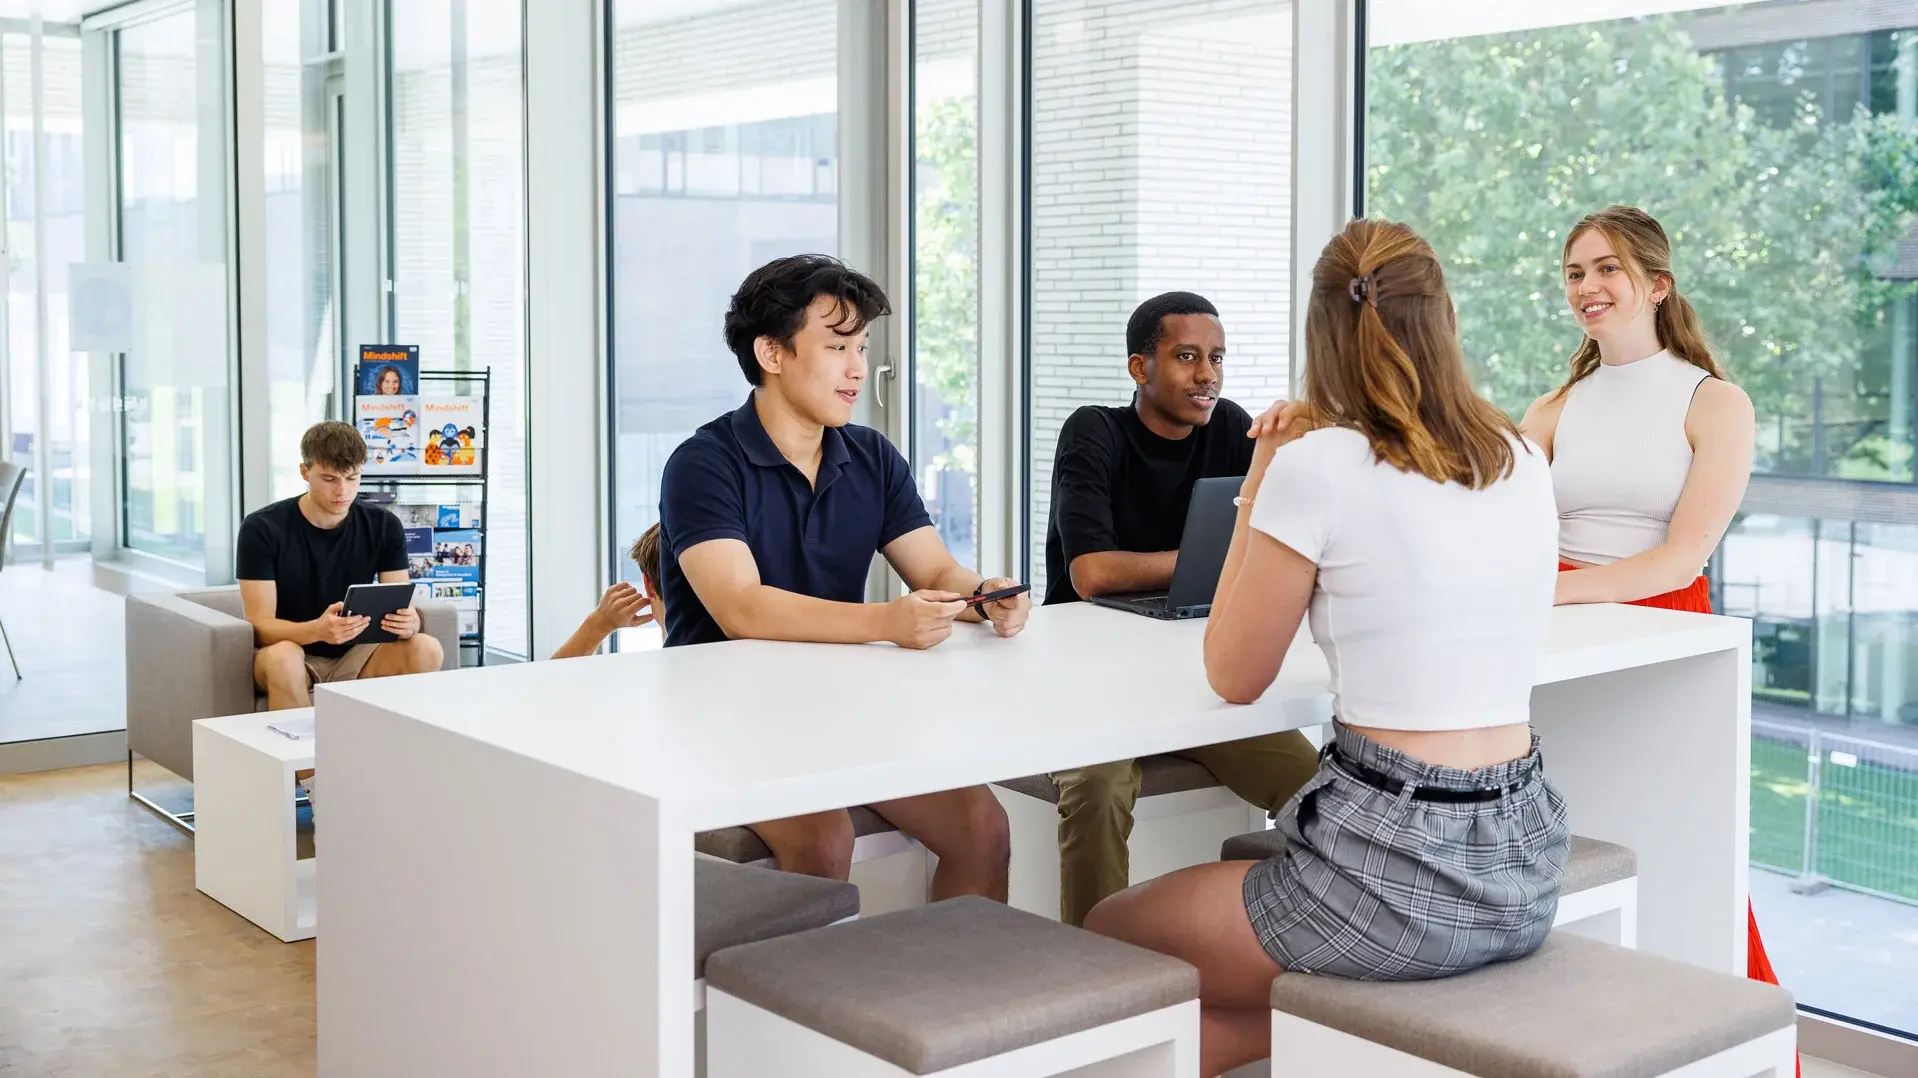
[{"x": 1696, "y": 598}]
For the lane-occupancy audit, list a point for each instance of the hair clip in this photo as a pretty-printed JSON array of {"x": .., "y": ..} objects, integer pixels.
[{"x": 1364, "y": 289}]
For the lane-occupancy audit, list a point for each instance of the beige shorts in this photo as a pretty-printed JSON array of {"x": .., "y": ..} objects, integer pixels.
[{"x": 321, "y": 669}]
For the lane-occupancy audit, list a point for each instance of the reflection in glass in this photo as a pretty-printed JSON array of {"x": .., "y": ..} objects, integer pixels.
[
  {"x": 458, "y": 240},
  {"x": 724, "y": 148},
  {"x": 945, "y": 336},
  {"x": 63, "y": 186},
  {"x": 303, "y": 355},
  {"x": 1133, "y": 194},
  {"x": 174, "y": 379}
]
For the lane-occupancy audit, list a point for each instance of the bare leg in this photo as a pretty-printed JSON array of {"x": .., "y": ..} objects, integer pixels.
[
  {"x": 818, "y": 844},
  {"x": 1198, "y": 915},
  {"x": 967, "y": 830},
  {"x": 417, "y": 654},
  {"x": 280, "y": 669}
]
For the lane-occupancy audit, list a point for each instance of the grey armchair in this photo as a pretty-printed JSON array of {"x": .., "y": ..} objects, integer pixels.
[{"x": 190, "y": 656}]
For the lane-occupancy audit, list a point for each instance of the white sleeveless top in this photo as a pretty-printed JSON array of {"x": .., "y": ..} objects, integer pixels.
[{"x": 1620, "y": 457}]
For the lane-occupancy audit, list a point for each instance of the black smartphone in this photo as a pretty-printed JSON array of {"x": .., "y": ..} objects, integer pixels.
[{"x": 995, "y": 596}]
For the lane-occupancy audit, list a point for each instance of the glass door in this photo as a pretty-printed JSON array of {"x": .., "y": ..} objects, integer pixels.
[{"x": 45, "y": 385}]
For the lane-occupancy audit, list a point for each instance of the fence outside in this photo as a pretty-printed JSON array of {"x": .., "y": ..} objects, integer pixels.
[{"x": 1835, "y": 810}]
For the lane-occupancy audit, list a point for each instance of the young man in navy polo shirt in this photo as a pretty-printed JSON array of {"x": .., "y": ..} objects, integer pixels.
[{"x": 769, "y": 519}]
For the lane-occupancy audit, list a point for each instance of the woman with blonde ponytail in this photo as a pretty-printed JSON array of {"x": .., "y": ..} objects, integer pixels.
[
  {"x": 1651, "y": 446},
  {"x": 1415, "y": 526}
]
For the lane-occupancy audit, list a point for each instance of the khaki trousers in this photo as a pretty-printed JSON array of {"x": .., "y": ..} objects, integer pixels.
[{"x": 1095, "y": 808}]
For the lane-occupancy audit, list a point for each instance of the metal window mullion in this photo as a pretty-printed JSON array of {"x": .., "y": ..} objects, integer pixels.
[
  {"x": 43, "y": 364},
  {"x": 1003, "y": 445}
]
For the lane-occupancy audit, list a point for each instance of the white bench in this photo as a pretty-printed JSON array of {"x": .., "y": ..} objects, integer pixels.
[
  {"x": 892, "y": 872},
  {"x": 1598, "y": 896},
  {"x": 962, "y": 989},
  {"x": 1182, "y": 815},
  {"x": 1576, "y": 1008}
]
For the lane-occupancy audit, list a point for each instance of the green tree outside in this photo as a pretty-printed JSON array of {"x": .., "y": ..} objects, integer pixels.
[{"x": 1493, "y": 147}]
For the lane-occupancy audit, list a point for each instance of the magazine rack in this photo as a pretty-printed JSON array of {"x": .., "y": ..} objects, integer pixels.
[{"x": 463, "y": 488}]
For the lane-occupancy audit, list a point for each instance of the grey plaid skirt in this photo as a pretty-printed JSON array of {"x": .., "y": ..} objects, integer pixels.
[{"x": 1378, "y": 886}]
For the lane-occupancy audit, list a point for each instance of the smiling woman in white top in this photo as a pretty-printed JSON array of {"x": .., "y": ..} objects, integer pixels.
[
  {"x": 1416, "y": 526},
  {"x": 1651, "y": 446}
]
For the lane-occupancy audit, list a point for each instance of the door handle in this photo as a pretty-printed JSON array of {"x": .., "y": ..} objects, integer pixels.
[{"x": 884, "y": 370}]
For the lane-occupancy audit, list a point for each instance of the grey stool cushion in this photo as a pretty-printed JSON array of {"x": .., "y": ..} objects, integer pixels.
[
  {"x": 1157, "y": 775},
  {"x": 1592, "y": 862},
  {"x": 735, "y": 904},
  {"x": 1576, "y": 1008},
  {"x": 741, "y": 845},
  {"x": 957, "y": 981}
]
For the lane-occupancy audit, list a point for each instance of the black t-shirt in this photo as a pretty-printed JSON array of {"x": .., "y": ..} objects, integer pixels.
[
  {"x": 1118, "y": 486},
  {"x": 312, "y": 567}
]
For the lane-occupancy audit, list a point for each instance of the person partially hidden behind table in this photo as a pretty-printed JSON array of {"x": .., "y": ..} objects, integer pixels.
[
  {"x": 622, "y": 606},
  {"x": 296, "y": 558},
  {"x": 1121, "y": 483},
  {"x": 1417, "y": 527},
  {"x": 769, "y": 518}
]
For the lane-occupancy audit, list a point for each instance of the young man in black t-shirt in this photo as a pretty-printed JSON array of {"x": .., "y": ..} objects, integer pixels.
[
  {"x": 295, "y": 560},
  {"x": 1121, "y": 483}
]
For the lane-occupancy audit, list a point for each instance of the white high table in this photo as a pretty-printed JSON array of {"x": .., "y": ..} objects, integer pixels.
[{"x": 509, "y": 881}]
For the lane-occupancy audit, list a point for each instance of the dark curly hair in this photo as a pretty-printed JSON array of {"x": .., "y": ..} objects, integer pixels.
[
  {"x": 1146, "y": 328},
  {"x": 772, "y": 302}
]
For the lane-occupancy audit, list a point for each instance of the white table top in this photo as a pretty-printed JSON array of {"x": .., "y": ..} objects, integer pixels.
[
  {"x": 750, "y": 730},
  {"x": 251, "y": 731}
]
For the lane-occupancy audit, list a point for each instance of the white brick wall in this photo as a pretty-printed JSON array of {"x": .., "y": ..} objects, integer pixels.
[{"x": 1161, "y": 142}]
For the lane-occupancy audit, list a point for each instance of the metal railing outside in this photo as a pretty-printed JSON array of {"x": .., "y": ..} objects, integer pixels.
[{"x": 1835, "y": 811}]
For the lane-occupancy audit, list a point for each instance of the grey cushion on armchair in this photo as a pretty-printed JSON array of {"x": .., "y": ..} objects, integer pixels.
[{"x": 190, "y": 656}]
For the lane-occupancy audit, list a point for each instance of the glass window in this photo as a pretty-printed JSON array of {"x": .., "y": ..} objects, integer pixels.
[
  {"x": 458, "y": 257},
  {"x": 945, "y": 268},
  {"x": 69, "y": 510},
  {"x": 1160, "y": 161},
  {"x": 173, "y": 233},
  {"x": 1772, "y": 150},
  {"x": 724, "y": 130},
  {"x": 302, "y": 324}
]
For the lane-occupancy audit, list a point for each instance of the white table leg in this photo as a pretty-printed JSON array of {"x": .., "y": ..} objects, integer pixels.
[
  {"x": 1658, "y": 758},
  {"x": 489, "y": 915}
]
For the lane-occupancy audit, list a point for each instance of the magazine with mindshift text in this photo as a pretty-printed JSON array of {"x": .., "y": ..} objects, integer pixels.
[
  {"x": 452, "y": 440},
  {"x": 391, "y": 428}
]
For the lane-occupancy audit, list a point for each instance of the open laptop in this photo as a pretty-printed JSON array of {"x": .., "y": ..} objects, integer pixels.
[{"x": 1208, "y": 532}]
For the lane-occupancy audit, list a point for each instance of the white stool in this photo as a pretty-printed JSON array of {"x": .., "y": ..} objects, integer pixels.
[
  {"x": 1182, "y": 815},
  {"x": 892, "y": 872},
  {"x": 734, "y": 904},
  {"x": 1598, "y": 897},
  {"x": 964, "y": 989},
  {"x": 1575, "y": 1008}
]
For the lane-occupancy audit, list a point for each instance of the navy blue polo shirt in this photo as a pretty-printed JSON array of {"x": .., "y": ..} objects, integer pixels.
[{"x": 728, "y": 481}]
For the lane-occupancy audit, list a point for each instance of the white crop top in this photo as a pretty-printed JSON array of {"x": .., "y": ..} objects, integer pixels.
[
  {"x": 1432, "y": 598},
  {"x": 1620, "y": 457}
]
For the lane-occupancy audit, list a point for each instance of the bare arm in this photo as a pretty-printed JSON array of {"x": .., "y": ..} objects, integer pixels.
[
  {"x": 726, "y": 579},
  {"x": 921, "y": 559},
  {"x": 1541, "y": 420},
  {"x": 1262, "y": 595},
  {"x": 260, "y": 598},
  {"x": 1109, "y": 572},
  {"x": 622, "y": 606},
  {"x": 1720, "y": 426}
]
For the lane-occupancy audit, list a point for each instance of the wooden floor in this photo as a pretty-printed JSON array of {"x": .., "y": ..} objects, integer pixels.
[{"x": 113, "y": 966}]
